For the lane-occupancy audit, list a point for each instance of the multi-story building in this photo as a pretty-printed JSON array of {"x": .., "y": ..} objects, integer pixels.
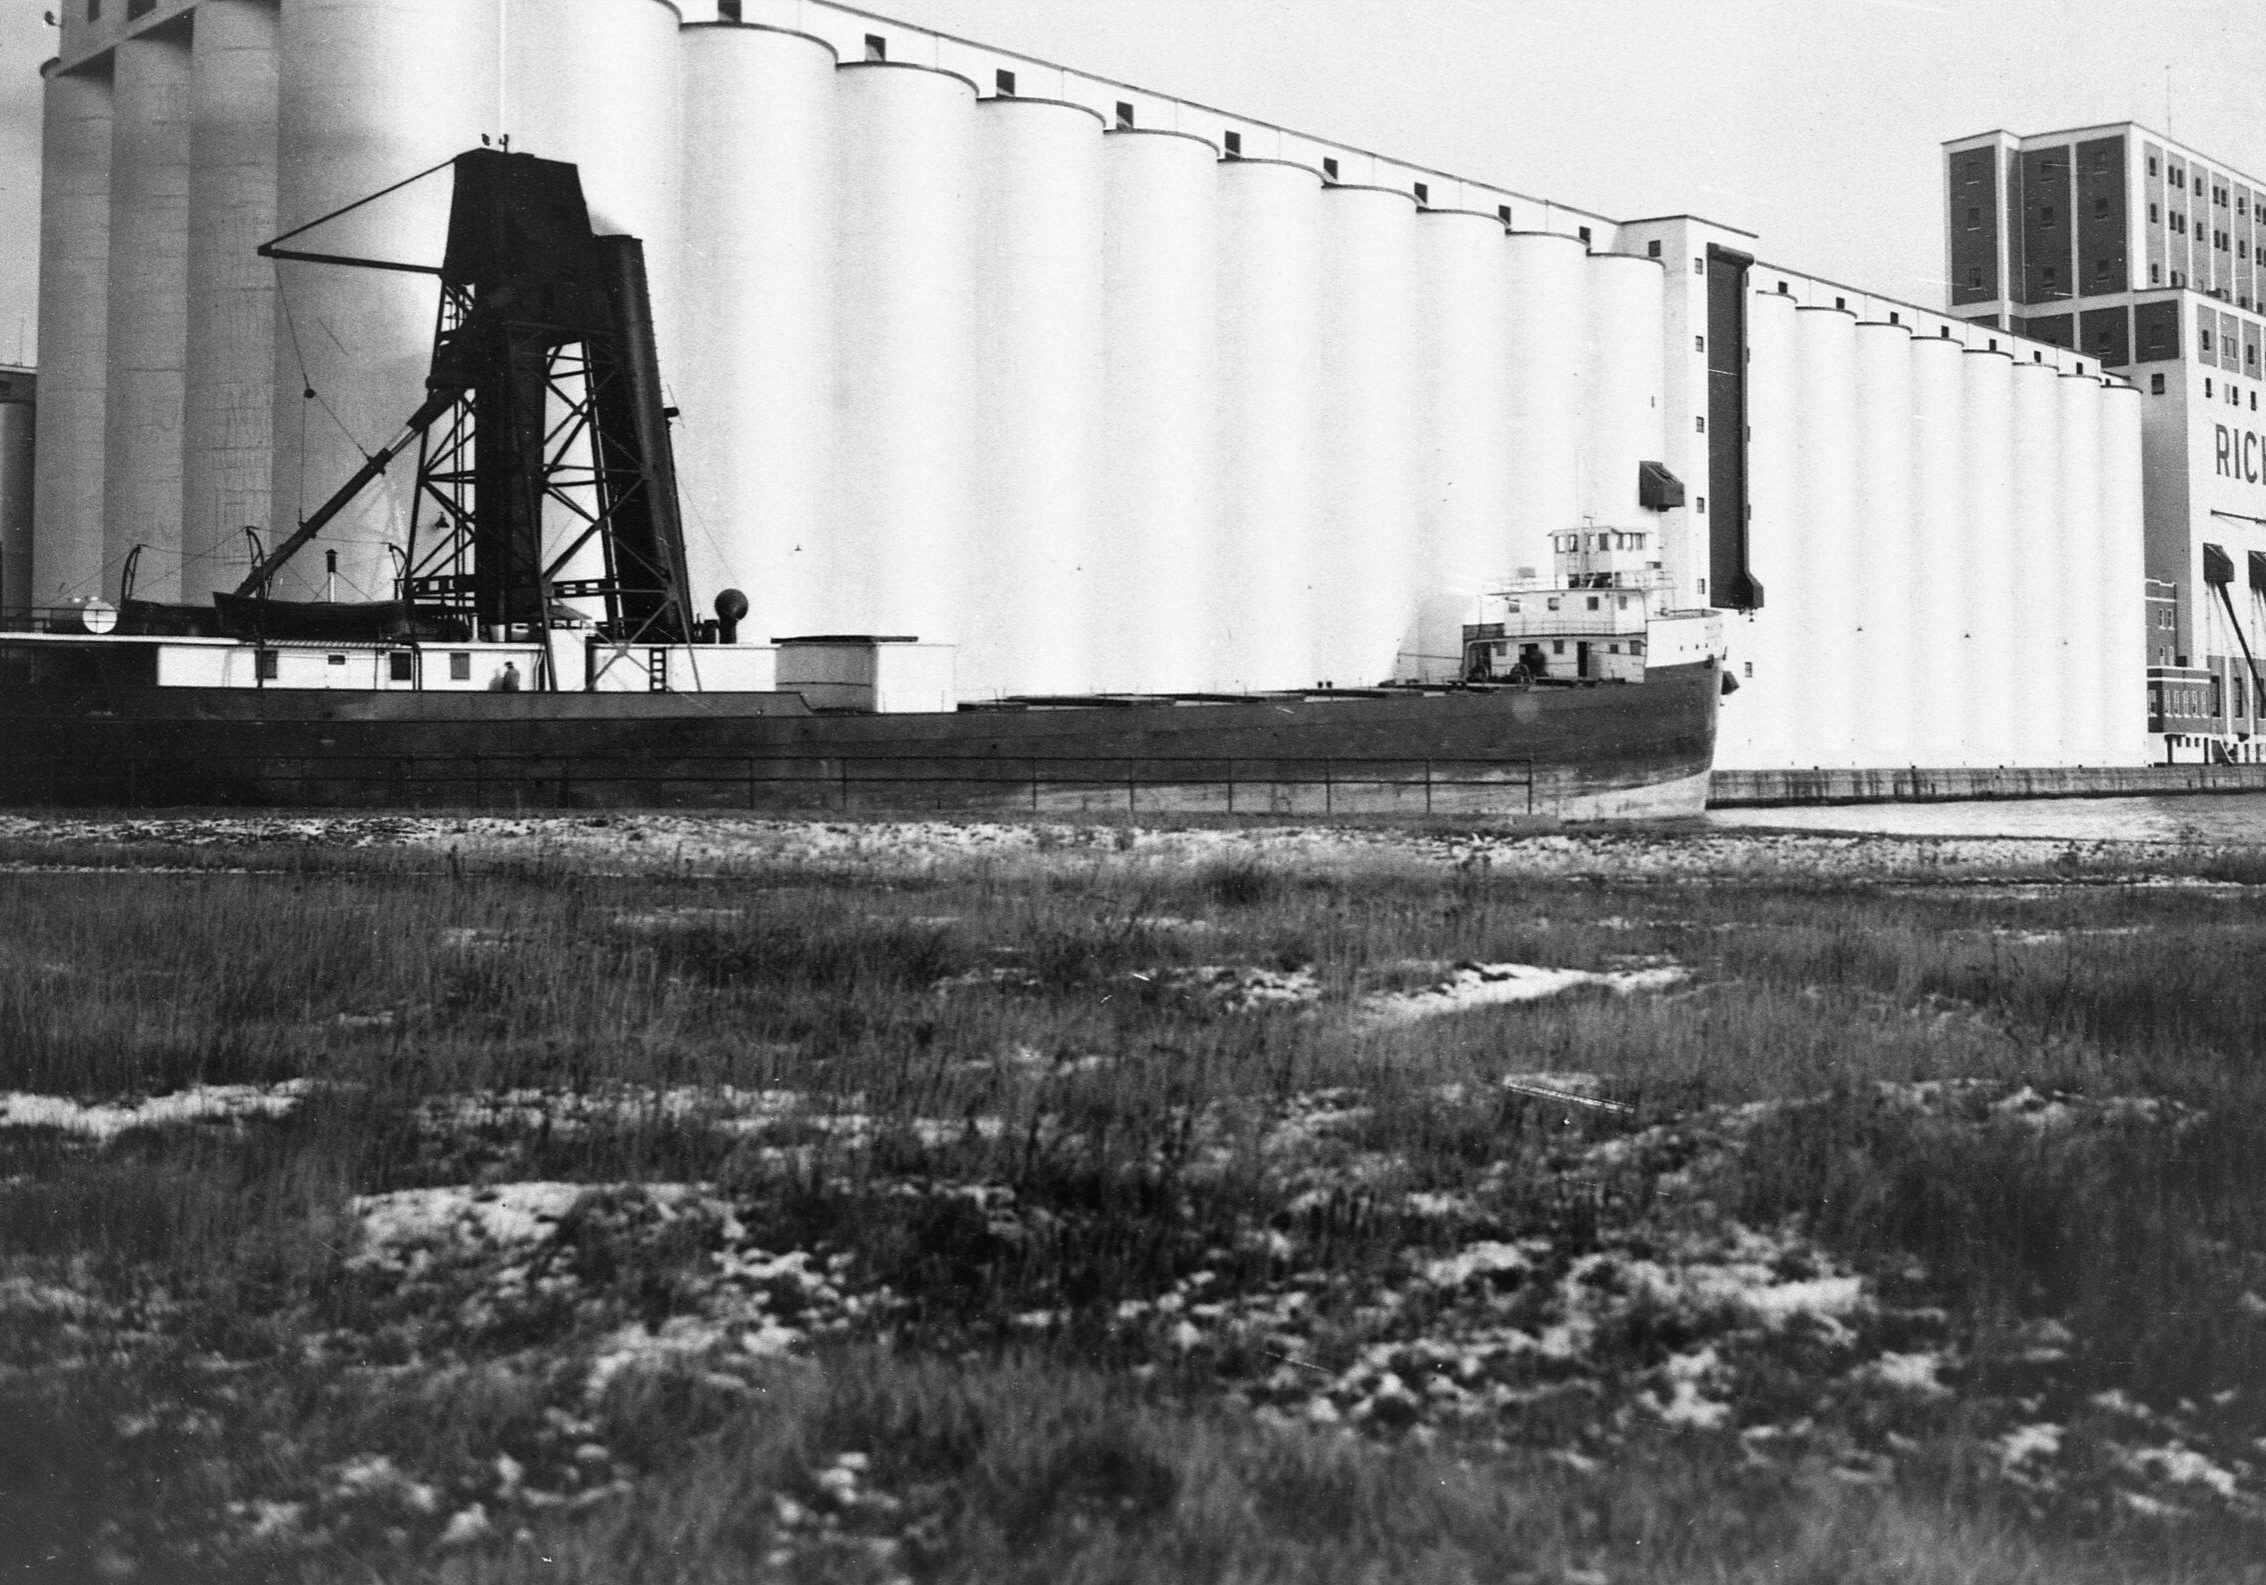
[{"x": 2117, "y": 241}]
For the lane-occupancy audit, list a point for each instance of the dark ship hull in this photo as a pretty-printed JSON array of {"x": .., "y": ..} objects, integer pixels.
[{"x": 1599, "y": 751}]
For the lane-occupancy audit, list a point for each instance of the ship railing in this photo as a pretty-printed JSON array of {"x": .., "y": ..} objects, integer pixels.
[{"x": 1240, "y": 785}]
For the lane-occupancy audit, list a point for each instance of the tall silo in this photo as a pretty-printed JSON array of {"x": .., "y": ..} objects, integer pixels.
[
  {"x": 1545, "y": 282},
  {"x": 228, "y": 465},
  {"x": 368, "y": 95},
  {"x": 1157, "y": 470},
  {"x": 2075, "y": 589},
  {"x": 1270, "y": 286},
  {"x": 1939, "y": 549},
  {"x": 148, "y": 341},
  {"x": 1824, "y": 604},
  {"x": 1766, "y": 652},
  {"x": 1366, "y": 518},
  {"x": 1622, "y": 411},
  {"x": 2122, "y": 657},
  {"x": 756, "y": 386},
  {"x": 598, "y": 83},
  {"x": 1463, "y": 422},
  {"x": 74, "y": 312},
  {"x": 1029, "y": 589},
  {"x": 1979, "y": 678},
  {"x": 2034, "y": 614},
  {"x": 903, "y": 310},
  {"x": 1883, "y": 573}
]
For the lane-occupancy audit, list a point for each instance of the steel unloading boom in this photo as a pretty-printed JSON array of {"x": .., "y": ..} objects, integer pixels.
[{"x": 536, "y": 311}]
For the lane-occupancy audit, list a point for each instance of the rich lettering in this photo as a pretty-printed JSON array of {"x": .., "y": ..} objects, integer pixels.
[
  {"x": 2226, "y": 448},
  {"x": 2250, "y": 456},
  {"x": 2241, "y": 454}
]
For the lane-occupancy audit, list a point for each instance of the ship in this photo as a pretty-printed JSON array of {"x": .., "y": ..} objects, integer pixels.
[{"x": 510, "y": 671}]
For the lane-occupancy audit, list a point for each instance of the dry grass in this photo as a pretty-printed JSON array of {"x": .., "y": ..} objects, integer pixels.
[{"x": 1103, "y": 1228}]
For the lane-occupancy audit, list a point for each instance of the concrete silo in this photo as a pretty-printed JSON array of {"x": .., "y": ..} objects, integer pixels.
[
  {"x": 1365, "y": 522},
  {"x": 1463, "y": 432},
  {"x": 367, "y": 96},
  {"x": 755, "y": 452},
  {"x": 74, "y": 315},
  {"x": 228, "y": 427},
  {"x": 1270, "y": 296},
  {"x": 1029, "y": 590},
  {"x": 904, "y": 294},
  {"x": 148, "y": 316}
]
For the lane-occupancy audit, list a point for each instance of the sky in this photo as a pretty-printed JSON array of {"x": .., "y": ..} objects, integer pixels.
[{"x": 1814, "y": 123}]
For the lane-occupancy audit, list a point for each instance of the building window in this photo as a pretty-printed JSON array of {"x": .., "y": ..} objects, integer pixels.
[
  {"x": 94, "y": 10},
  {"x": 401, "y": 665},
  {"x": 1124, "y": 116},
  {"x": 1234, "y": 143},
  {"x": 2100, "y": 269},
  {"x": 1699, "y": 266},
  {"x": 139, "y": 8},
  {"x": 2155, "y": 275},
  {"x": 1423, "y": 195},
  {"x": 2101, "y": 208},
  {"x": 1974, "y": 170},
  {"x": 1782, "y": 291},
  {"x": 2154, "y": 214},
  {"x": 2155, "y": 385},
  {"x": 1944, "y": 331},
  {"x": 1841, "y": 303},
  {"x": 876, "y": 47},
  {"x": 2206, "y": 386},
  {"x": 1700, "y": 504},
  {"x": 1700, "y": 424},
  {"x": 1894, "y": 318},
  {"x": 2203, "y": 341},
  {"x": 1503, "y": 213},
  {"x": 1329, "y": 170},
  {"x": 1004, "y": 81},
  {"x": 2046, "y": 276},
  {"x": 263, "y": 665},
  {"x": 1974, "y": 276},
  {"x": 2151, "y": 165},
  {"x": 1584, "y": 234},
  {"x": 2045, "y": 217},
  {"x": 1974, "y": 217},
  {"x": 1699, "y": 343},
  {"x": 2179, "y": 177},
  {"x": 459, "y": 666},
  {"x": 1652, "y": 250}
]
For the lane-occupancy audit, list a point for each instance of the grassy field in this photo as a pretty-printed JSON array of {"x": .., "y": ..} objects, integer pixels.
[{"x": 644, "y": 1200}]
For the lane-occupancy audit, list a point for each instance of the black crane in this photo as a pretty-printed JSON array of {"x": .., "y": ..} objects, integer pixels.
[{"x": 544, "y": 397}]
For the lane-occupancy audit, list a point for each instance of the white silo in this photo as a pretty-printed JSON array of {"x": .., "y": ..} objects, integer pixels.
[
  {"x": 1463, "y": 440},
  {"x": 2030, "y": 597},
  {"x": 228, "y": 428},
  {"x": 1885, "y": 564},
  {"x": 597, "y": 83},
  {"x": 1623, "y": 410},
  {"x": 74, "y": 311},
  {"x": 1366, "y": 522},
  {"x": 1765, "y": 651},
  {"x": 2076, "y": 573},
  {"x": 1545, "y": 284},
  {"x": 1029, "y": 590},
  {"x": 1980, "y": 679},
  {"x": 368, "y": 95},
  {"x": 755, "y": 444},
  {"x": 1157, "y": 469},
  {"x": 2122, "y": 659},
  {"x": 1939, "y": 549},
  {"x": 1270, "y": 301},
  {"x": 149, "y": 229},
  {"x": 903, "y": 314},
  {"x": 1826, "y": 602}
]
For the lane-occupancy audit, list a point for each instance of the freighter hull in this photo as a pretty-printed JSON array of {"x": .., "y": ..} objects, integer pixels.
[{"x": 1583, "y": 752}]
